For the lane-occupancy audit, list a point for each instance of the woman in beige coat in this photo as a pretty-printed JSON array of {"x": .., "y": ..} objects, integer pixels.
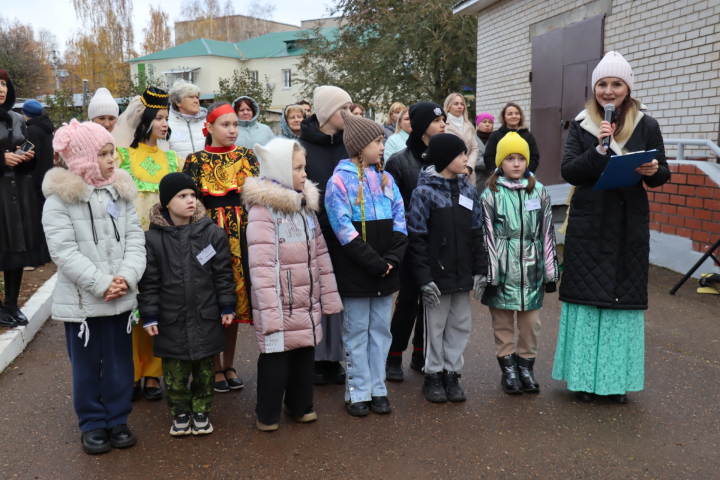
[{"x": 459, "y": 125}]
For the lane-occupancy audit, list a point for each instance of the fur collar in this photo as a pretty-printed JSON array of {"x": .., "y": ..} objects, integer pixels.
[
  {"x": 266, "y": 193},
  {"x": 156, "y": 217},
  {"x": 587, "y": 123},
  {"x": 72, "y": 189}
]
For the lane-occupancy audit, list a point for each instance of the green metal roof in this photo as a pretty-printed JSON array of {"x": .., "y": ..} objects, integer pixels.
[
  {"x": 197, "y": 48},
  {"x": 275, "y": 44},
  {"x": 266, "y": 46}
]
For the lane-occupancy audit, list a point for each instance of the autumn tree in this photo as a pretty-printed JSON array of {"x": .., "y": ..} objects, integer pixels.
[
  {"x": 156, "y": 35},
  {"x": 99, "y": 50},
  {"x": 392, "y": 50},
  {"x": 242, "y": 83},
  {"x": 23, "y": 55},
  {"x": 201, "y": 16},
  {"x": 258, "y": 14}
]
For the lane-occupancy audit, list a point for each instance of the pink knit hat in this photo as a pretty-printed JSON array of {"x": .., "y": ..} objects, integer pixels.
[
  {"x": 79, "y": 144},
  {"x": 484, "y": 116},
  {"x": 613, "y": 65}
]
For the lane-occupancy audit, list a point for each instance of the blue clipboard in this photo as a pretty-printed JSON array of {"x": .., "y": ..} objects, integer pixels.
[{"x": 620, "y": 171}]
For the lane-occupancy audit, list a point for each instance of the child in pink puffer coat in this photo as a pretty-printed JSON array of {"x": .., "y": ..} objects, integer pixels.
[{"x": 292, "y": 280}]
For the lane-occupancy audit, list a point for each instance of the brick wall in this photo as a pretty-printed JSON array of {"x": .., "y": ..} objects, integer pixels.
[
  {"x": 687, "y": 206},
  {"x": 672, "y": 45}
]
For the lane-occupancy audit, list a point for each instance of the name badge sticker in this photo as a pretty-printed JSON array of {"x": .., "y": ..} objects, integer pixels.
[
  {"x": 532, "y": 204},
  {"x": 311, "y": 222},
  {"x": 113, "y": 209},
  {"x": 275, "y": 342},
  {"x": 207, "y": 253},
  {"x": 389, "y": 193},
  {"x": 465, "y": 202}
]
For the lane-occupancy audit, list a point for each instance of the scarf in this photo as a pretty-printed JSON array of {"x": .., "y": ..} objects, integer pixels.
[
  {"x": 457, "y": 121},
  {"x": 484, "y": 136}
]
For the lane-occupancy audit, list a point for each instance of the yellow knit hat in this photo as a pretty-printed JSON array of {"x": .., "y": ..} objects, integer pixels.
[{"x": 512, "y": 142}]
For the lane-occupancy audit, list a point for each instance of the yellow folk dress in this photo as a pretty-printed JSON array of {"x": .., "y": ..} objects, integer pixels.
[
  {"x": 220, "y": 174},
  {"x": 147, "y": 166}
]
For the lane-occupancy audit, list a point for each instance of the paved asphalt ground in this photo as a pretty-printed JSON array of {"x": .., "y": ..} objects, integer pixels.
[{"x": 669, "y": 430}]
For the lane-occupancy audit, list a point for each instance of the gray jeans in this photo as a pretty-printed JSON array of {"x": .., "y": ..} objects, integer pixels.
[{"x": 447, "y": 331}]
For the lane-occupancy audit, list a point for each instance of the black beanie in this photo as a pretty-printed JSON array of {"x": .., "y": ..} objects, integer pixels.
[
  {"x": 172, "y": 183},
  {"x": 422, "y": 114},
  {"x": 443, "y": 149}
]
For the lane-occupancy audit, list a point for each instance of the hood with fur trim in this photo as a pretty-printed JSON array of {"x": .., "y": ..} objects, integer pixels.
[
  {"x": 267, "y": 193},
  {"x": 157, "y": 218},
  {"x": 72, "y": 189}
]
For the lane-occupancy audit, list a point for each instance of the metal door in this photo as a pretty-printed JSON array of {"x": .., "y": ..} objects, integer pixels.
[{"x": 562, "y": 64}]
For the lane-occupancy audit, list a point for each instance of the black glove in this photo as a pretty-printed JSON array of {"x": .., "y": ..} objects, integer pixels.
[
  {"x": 550, "y": 287},
  {"x": 491, "y": 291}
]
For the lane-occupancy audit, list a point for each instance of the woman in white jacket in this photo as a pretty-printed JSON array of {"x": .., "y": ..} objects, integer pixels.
[
  {"x": 459, "y": 125},
  {"x": 96, "y": 241},
  {"x": 186, "y": 119}
]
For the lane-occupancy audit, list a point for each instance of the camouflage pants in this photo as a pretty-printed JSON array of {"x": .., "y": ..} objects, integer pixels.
[{"x": 196, "y": 399}]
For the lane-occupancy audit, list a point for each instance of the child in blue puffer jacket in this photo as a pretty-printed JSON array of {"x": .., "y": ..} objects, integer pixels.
[{"x": 367, "y": 215}]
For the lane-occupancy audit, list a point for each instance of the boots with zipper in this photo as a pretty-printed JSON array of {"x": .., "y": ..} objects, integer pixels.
[
  {"x": 510, "y": 377},
  {"x": 525, "y": 368}
]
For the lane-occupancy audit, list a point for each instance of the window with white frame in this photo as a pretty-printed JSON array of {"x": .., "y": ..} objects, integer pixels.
[
  {"x": 286, "y": 78},
  {"x": 254, "y": 76}
]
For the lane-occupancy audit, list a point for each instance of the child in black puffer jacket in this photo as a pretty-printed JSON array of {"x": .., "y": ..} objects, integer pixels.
[{"x": 449, "y": 260}]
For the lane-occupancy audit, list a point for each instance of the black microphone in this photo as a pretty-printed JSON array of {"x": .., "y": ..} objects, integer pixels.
[{"x": 609, "y": 110}]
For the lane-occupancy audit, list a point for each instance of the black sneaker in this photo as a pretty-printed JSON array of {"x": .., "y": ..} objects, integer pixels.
[
  {"x": 359, "y": 409},
  {"x": 393, "y": 368},
  {"x": 201, "y": 424},
  {"x": 96, "y": 441},
  {"x": 380, "y": 405},
  {"x": 433, "y": 388},
  {"x": 452, "y": 387},
  {"x": 181, "y": 425},
  {"x": 121, "y": 436}
]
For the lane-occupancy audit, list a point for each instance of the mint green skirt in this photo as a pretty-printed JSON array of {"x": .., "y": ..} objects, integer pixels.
[{"x": 600, "y": 351}]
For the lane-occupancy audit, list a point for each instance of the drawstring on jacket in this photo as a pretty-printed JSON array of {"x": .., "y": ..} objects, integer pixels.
[{"x": 92, "y": 224}]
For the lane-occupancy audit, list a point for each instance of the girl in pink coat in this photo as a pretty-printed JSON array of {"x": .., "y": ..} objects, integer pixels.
[{"x": 292, "y": 280}]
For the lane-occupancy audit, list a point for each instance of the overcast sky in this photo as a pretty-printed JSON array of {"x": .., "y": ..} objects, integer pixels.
[{"x": 59, "y": 15}]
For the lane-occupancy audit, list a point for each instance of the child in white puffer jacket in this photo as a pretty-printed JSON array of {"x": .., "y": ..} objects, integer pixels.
[{"x": 95, "y": 239}]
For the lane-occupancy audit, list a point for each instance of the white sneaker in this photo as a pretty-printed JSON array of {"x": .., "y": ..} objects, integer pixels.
[
  {"x": 181, "y": 426},
  {"x": 201, "y": 424}
]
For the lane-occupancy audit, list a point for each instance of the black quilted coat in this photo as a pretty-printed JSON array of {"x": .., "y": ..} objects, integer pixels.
[{"x": 607, "y": 244}]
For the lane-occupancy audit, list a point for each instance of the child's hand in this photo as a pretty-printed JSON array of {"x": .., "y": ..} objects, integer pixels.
[
  {"x": 390, "y": 267},
  {"x": 228, "y": 318},
  {"x": 118, "y": 288},
  {"x": 152, "y": 330}
]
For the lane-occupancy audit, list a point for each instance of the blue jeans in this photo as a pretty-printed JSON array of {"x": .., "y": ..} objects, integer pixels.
[{"x": 366, "y": 338}]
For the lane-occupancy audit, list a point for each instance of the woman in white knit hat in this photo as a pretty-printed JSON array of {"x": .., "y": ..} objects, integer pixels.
[
  {"x": 601, "y": 343},
  {"x": 103, "y": 109}
]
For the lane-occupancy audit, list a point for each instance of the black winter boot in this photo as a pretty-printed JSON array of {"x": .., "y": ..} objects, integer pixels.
[
  {"x": 393, "y": 368},
  {"x": 452, "y": 386},
  {"x": 321, "y": 373},
  {"x": 13, "y": 281},
  {"x": 433, "y": 388},
  {"x": 525, "y": 367},
  {"x": 510, "y": 381},
  {"x": 336, "y": 372},
  {"x": 6, "y": 320}
]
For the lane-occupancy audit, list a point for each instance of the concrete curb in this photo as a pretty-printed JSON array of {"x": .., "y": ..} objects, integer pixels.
[{"x": 37, "y": 309}]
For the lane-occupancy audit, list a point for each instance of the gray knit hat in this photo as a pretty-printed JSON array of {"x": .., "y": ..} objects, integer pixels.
[{"x": 359, "y": 132}]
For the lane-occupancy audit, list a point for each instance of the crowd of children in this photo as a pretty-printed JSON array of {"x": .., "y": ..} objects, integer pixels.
[{"x": 308, "y": 239}]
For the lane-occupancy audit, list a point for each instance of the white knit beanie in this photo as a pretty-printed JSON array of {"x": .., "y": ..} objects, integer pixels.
[
  {"x": 328, "y": 100},
  {"x": 275, "y": 160},
  {"x": 102, "y": 103},
  {"x": 613, "y": 65}
]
